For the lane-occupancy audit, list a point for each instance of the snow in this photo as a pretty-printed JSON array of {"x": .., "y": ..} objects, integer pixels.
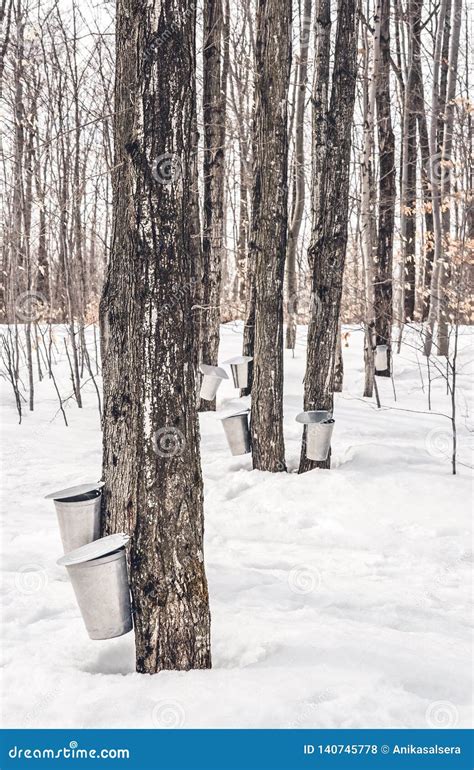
[{"x": 339, "y": 598}]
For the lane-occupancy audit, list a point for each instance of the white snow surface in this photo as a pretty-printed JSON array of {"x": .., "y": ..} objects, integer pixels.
[{"x": 339, "y": 598}]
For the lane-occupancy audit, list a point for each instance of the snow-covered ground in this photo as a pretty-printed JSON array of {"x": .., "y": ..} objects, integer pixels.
[{"x": 339, "y": 598}]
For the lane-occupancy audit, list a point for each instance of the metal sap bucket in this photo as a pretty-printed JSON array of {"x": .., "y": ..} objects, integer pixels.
[
  {"x": 237, "y": 432},
  {"x": 381, "y": 358},
  {"x": 98, "y": 573},
  {"x": 78, "y": 512},
  {"x": 319, "y": 428},
  {"x": 239, "y": 366},
  {"x": 213, "y": 376}
]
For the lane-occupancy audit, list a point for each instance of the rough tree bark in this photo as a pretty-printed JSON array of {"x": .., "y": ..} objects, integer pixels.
[
  {"x": 446, "y": 183},
  {"x": 327, "y": 249},
  {"x": 435, "y": 170},
  {"x": 368, "y": 197},
  {"x": 387, "y": 189},
  {"x": 423, "y": 137},
  {"x": 299, "y": 180},
  {"x": 269, "y": 229},
  {"x": 214, "y": 110},
  {"x": 152, "y": 471},
  {"x": 408, "y": 191}
]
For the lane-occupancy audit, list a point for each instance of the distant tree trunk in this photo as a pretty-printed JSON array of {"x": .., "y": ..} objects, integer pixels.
[
  {"x": 213, "y": 204},
  {"x": 446, "y": 183},
  {"x": 387, "y": 191},
  {"x": 298, "y": 203},
  {"x": 368, "y": 198},
  {"x": 418, "y": 98},
  {"x": 339, "y": 363},
  {"x": 152, "y": 471},
  {"x": 16, "y": 267},
  {"x": 408, "y": 191},
  {"x": 435, "y": 173},
  {"x": 240, "y": 293},
  {"x": 327, "y": 249},
  {"x": 269, "y": 229},
  {"x": 249, "y": 327},
  {"x": 239, "y": 89},
  {"x": 42, "y": 280}
]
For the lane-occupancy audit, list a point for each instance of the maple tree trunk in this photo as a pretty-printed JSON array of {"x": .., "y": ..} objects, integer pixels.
[
  {"x": 268, "y": 238},
  {"x": 151, "y": 461},
  {"x": 327, "y": 249}
]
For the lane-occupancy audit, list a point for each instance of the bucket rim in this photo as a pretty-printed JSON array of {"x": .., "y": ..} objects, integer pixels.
[
  {"x": 235, "y": 414},
  {"x": 75, "y": 491},
  {"x": 236, "y": 360},
  {"x": 112, "y": 556},
  {"x": 95, "y": 550},
  {"x": 314, "y": 416},
  {"x": 213, "y": 371}
]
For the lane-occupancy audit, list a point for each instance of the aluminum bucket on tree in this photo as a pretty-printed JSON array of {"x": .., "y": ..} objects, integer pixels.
[
  {"x": 98, "y": 573},
  {"x": 78, "y": 512},
  {"x": 319, "y": 428},
  {"x": 381, "y": 358},
  {"x": 239, "y": 366},
  {"x": 236, "y": 428},
  {"x": 213, "y": 376}
]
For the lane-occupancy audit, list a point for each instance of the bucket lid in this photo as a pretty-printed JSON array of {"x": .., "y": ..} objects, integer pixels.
[
  {"x": 235, "y": 414},
  {"x": 79, "y": 489},
  {"x": 94, "y": 550},
  {"x": 214, "y": 371},
  {"x": 317, "y": 415},
  {"x": 238, "y": 360}
]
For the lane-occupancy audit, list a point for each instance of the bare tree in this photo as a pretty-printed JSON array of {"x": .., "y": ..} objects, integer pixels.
[
  {"x": 269, "y": 228},
  {"x": 151, "y": 436},
  {"x": 383, "y": 278},
  {"x": 214, "y": 114},
  {"x": 327, "y": 249},
  {"x": 297, "y": 210}
]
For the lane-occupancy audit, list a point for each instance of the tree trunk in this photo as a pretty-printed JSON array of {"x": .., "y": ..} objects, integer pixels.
[
  {"x": 213, "y": 171},
  {"x": 327, "y": 249},
  {"x": 387, "y": 191},
  {"x": 418, "y": 99},
  {"x": 339, "y": 363},
  {"x": 269, "y": 229},
  {"x": 368, "y": 197},
  {"x": 298, "y": 207},
  {"x": 408, "y": 191},
  {"x": 152, "y": 471},
  {"x": 446, "y": 183},
  {"x": 435, "y": 173}
]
